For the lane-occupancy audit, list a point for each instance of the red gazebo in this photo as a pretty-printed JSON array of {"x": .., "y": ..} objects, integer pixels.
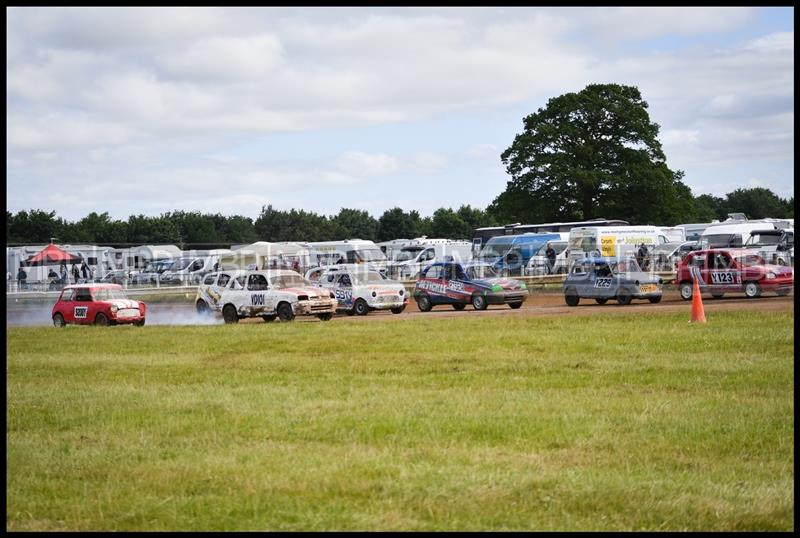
[{"x": 51, "y": 255}]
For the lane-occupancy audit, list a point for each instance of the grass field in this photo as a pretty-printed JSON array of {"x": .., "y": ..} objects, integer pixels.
[{"x": 492, "y": 423}]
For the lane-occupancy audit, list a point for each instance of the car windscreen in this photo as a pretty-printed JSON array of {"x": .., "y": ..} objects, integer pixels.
[
  {"x": 407, "y": 254},
  {"x": 370, "y": 255},
  {"x": 750, "y": 260},
  {"x": 627, "y": 266},
  {"x": 495, "y": 248},
  {"x": 181, "y": 264},
  {"x": 481, "y": 271},
  {"x": 287, "y": 281},
  {"x": 763, "y": 240},
  {"x": 108, "y": 295},
  {"x": 719, "y": 240},
  {"x": 370, "y": 277}
]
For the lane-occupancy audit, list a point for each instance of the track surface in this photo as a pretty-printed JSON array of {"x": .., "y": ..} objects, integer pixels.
[{"x": 538, "y": 304}]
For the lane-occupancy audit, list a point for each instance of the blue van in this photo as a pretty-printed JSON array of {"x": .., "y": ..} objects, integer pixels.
[{"x": 509, "y": 254}]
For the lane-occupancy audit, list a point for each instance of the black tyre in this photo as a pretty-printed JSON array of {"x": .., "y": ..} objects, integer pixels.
[
  {"x": 515, "y": 305},
  {"x": 139, "y": 323},
  {"x": 325, "y": 317},
  {"x": 350, "y": 312},
  {"x": 229, "y": 314},
  {"x": 654, "y": 300},
  {"x": 202, "y": 308},
  {"x": 458, "y": 306},
  {"x": 58, "y": 321},
  {"x": 624, "y": 298},
  {"x": 269, "y": 318},
  {"x": 424, "y": 303},
  {"x": 479, "y": 302},
  {"x": 686, "y": 291},
  {"x": 752, "y": 289},
  {"x": 101, "y": 319},
  {"x": 398, "y": 309},
  {"x": 360, "y": 307},
  {"x": 571, "y": 297},
  {"x": 602, "y": 301},
  {"x": 285, "y": 312}
]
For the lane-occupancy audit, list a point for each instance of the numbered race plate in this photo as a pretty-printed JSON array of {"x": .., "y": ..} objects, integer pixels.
[
  {"x": 724, "y": 277},
  {"x": 602, "y": 283}
]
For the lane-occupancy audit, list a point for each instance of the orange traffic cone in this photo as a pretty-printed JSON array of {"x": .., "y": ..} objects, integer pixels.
[{"x": 698, "y": 313}]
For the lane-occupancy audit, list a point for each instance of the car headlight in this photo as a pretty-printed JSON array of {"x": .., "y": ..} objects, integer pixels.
[
  {"x": 302, "y": 297},
  {"x": 114, "y": 308},
  {"x": 522, "y": 286},
  {"x": 770, "y": 276},
  {"x": 401, "y": 293},
  {"x": 374, "y": 294},
  {"x": 497, "y": 287},
  {"x": 332, "y": 295}
]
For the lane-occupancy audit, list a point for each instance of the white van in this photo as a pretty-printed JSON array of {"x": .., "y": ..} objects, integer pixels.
[
  {"x": 731, "y": 235},
  {"x": 347, "y": 251},
  {"x": 190, "y": 268},
  {"x": 422, "y": 252},
  {"x": 612, "y": 241},
  {"x": 675, "y": 234},
  {"x": 775, "y": 246},
  {"x": 264, "y": 255}
]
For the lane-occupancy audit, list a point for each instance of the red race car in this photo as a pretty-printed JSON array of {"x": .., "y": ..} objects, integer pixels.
[
  {"x": 732, "y": 270},
  {"x": 98, "y": 304}
]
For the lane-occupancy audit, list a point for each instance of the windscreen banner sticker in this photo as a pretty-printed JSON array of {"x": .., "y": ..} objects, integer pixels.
[
  {"x": 724, "y": 277},
  {"x": 602, "y": 283},
  {"x": 81, "y": 311},
  {"x": 608, "y": 245}
]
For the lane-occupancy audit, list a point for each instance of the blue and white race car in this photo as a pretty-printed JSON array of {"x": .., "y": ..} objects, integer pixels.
[
  {"x": 359, "y": 289},
  {"x": 449, "y": 283}
]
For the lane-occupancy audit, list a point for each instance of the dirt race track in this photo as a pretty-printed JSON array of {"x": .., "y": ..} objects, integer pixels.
[{"x": 538, "y": 304}]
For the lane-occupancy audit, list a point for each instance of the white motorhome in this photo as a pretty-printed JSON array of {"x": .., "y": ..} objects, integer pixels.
[
  {"x": 612, "y": 241},
  {"x": 692, "y": 231},
  {"x": 266, "y": 255},
  {"x": 422, "y": 252},
  {"x": 775, "y": 246},
  {"x": 392, "y": 248},
  {"x": 192, "y": 266},
  {"x": 348, "y": 251},
  {"x": 674, "y": 233},
  {"x": 731, "y": 235},
  {"x": 139, "y": 257}
]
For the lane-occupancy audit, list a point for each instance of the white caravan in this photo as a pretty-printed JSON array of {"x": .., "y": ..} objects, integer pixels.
[
  {"x": 265, "y": 255},
  {"x": 348, "y": 251},
  {"x": 612, "y": 241},
  {"x": 422, "y": 252},
  {"x": 731, "y": 235},
  {"x": 190, "y": 268}
]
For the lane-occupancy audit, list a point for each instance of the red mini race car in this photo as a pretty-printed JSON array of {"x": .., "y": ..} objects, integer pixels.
[
  {"x": 98, "y": 304},
  {"x": 720, "y": 271}
]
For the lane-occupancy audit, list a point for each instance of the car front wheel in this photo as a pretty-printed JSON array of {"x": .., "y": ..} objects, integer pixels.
[
  {"x": 360, "y": 307},
  {"x": 424, "y": 303},
  {"x": 229, "y": 314},
  {"x": 325, "y": 317},
  {"x": 479, "y": 302},
  {"x": 571, "y": 298},
  {"x": 398, "y": 309},
  {"x": 752, "y": 290},
  {"x": 515, "y": 305},
  {"x": 58, "y": 321},
  {"x": 101, "y": 320},
  {"x": 202, "y": 307},
  {"x": 285, "y": 312}
]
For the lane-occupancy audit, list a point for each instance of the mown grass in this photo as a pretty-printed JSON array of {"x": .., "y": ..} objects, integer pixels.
[{"x": 624, "y": 422}]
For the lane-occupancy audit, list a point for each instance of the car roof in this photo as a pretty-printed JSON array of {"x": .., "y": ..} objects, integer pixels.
[
  {"x": 93, "y": 286},
  {"x": 734, "y": 252}
]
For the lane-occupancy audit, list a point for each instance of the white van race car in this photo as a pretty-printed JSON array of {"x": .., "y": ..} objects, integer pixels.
[
  {"x": 359, "y": 289},
  {"x": 267, "y": 294}
]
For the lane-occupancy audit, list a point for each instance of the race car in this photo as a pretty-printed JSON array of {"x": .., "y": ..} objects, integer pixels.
[
  {"x": 449, "y": 283},
  {"x": 268, "y": 294},
  {"x": 720, "y": 271},
  {"x": 602, "y": 279},
  {"x": 97, "y": 304},
  {"x": 358, "y": 289}
]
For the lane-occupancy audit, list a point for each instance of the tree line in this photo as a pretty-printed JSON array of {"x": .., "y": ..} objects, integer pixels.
[
  {"x": 205, "y": 230},
  {"x": 588, "y": 154}
]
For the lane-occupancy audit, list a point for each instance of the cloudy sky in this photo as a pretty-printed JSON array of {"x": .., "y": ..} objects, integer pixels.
[{"x": 147, "y": 110}]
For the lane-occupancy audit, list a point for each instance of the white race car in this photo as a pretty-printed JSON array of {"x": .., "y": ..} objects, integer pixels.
[
  {"x": 267, "y": 294},
  {"x": 358, "y": 289}
]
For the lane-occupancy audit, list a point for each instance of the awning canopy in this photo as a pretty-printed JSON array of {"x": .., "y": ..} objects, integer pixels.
[{"x": 52, "y": 255}]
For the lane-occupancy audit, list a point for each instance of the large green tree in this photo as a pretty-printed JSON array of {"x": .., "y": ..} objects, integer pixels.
[
  {"x": 594, "y": 153},
  {"x": 758, "y": 203}
]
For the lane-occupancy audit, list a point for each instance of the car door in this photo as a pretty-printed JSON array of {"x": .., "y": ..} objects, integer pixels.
[
  {"x": 433, "y": 284},
  {"x": 256, "y": 293},
  {"x": 459, "y": 287},
  {"x": 66, "y": 305},
  {"x": 579, "y": 280},
  {"x": 600, "y": 281},
  {"x": 83, "y": 306},
  {"x": 343, "y": 290},
  {"x": 216, "y": 287},
  {"x": 723, "y": 274}
]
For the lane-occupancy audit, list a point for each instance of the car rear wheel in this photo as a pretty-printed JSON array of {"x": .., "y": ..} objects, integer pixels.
[
  {"x": 360, "y": 307},
  {"x": 285, "y": 312},
  {"x": 398, "y": 309},
  {"x": 479, "y": 302},
  {"x": 686, "y": 290},
  {"x": 458, "y": 306},
  {"x": 202, "y": 307},
  {"x": 752, "y": 289},
  {"x": 424, "y": 303},
  {"x": 654, "y": 300},
  {"x": 269, "y": 318},
  {"x": 229, "y": 314},
  {"x": 515, "y": 305},
  {"x": 58, "y": 321},
  {"x": 571, "y": 297},
  {"x": 101, "y": 319},
  {"x": 602, "y": 301},
  {"x": 325, "y": 317}
]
